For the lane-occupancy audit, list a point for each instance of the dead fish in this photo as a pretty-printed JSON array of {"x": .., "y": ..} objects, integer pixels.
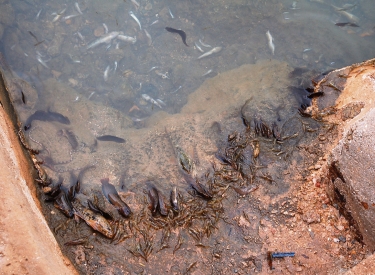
[
  {"x": 113, "y": 197},
  {"x": 127, "y": 38},
  {"x": 174, "y": 200},
  {"x": 46, "y": 116},
  {"x": 270, "y": 42},
  {"x": 136, "y": 19},
  {"x": 150, "y": 99},
  {"x": 96, "y": 209},
  {"x": 214, "y": 50},
  {"x": 162, "y": 207},
  {"x": 63, "y": 203},
  {"x": 180, "y": 32},
  {"x": 104, "y": 39},
  {"x": 198, "y": 187},
  {"x": 153, "y": 197},
  {"x": 95, "y": 221},
  {"x": 111, "y": 138}
]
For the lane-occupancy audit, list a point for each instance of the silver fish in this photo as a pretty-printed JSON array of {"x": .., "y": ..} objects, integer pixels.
[
  {"x": 38, "y": 14},
  {"x": 70, "y": 16},
  {"x": 155, "y": 22},
  {"x": 149, "y": 39},
  {"x": 214, "y": 50},
  {"x": 104, "y": 39},
  {"x": 106, "y": 72},
  {"x": 153, "y": 68},
  {"x": 136, "y": 4},
  {"x": 77, "y": 8},
  {"x": 170, "y": 12},
  {"x": 161, "y": 102},
  {"x": 150, "y": 99},
  {"x": 58, "y": 16},
  {"x": 207, "y": 73},
  {"x": 205, "y": 45},
  {"x": 105, "y": 28},
  {"x": 115, "y": 67},
  {"x": 270, "y": 42},
  {"x": 351, "y": 17},
  {"x": 136, "y": 19},
  {"x": 41, "y": 61},
  {"x": 127, "y": 38},
  {"x": 199, "y": 48}
]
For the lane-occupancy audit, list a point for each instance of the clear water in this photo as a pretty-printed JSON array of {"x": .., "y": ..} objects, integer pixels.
[{"x": 194, "y": 102}]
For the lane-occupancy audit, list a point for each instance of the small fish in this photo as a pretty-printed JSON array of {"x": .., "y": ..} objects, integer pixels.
[
  {"x": 106, "y": 72},
  {"x": 204, "y": 45},
  {"x": 38, "y": 14},
  {"x": 179, "y": 88},
  {"x": 155, "y": 22},
  {"x": 127, "y": 38},
  {"x": 214, "y": 50},
  {"x": 270, "y": 42},
  {"x": 63, "y": 203},
  {"x": 95, "y": 221},
  {"x": 347, "y": 7},
  {"x": 207, "y": 73},
  {"x": 70, "y": 16},
  {"x": 136, "y": 4},
  {"x": 153, "y": 68},
  {"x": 113, "y": 197},
  {"x": 80, "y": 36},
  {"x": 180, "y": 32},
  {"x": 136, "y": 19},
  {"x": 199, "y": 48},
  {"x": 174, "y": 200},
  {"x": 115, "y": 66},
  {"x": 161, "y": 102},
  {"x": 163, "y": 75},
  {"x": 77, "y": 8},
  {"x": 347, "y": 24},
  {"x": 170, "y": 13},
  {"x": 349, "y": 16},
  {"x": 149, "y": 39},
  {"x": 111, "y": 138},
  {"x": 105, "y": 28},
  {"x": 105, "y": 39},
  {"x": 58, "y": 16},
  {"x": 153, "y": 197},
  {"x": 46, "y": 116},
  {"x": 150, "y": 99}
]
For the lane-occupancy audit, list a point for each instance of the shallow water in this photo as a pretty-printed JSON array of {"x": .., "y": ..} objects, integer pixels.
[{"x": 50, "y": 63}]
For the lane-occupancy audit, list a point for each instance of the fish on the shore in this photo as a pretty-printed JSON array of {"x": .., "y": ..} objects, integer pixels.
[
  {"x": 270, "y": 42},
  {"x": 46, "y": 116},
  {"x": 180, "y": 32},
  {"x": 111, "y": 138},
  {"x": 104, "y": 39},
  {"x": 113, "y": 197},
  {"x": 214, "y": 50}
]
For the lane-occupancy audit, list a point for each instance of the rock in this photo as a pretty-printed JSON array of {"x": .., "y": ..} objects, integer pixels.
[
  {"x": 311, "y": 217},
  {"x": 352, "y": 173}
]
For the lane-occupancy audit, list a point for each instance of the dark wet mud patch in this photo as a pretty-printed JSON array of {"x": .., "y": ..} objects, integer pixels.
[{"x": 270, "y": 153}]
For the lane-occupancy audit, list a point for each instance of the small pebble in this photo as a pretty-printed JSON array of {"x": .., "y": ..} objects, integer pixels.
[{"x": 342, "y": 239}]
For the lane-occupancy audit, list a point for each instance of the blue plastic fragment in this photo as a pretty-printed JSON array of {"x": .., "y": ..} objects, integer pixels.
[{"x": 282, "y": 254}]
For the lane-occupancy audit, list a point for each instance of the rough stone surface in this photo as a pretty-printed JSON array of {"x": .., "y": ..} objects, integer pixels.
[
  {"x": 352, "y": 162},
  {"x": 350, "y": 168},
  {"x": 27, "y": 245}
]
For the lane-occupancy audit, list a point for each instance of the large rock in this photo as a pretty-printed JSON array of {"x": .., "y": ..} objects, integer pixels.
[{"x": 350, "y": 169}]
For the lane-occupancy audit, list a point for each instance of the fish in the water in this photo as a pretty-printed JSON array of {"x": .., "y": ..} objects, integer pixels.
[
  {"x": 347, "y": 24},
  {"x": 111, "y": 138},
  {"x": 214, "y": 50},
  {"x": 136, "y": 19},
  {"x": 270, "y": 42},
  {"x": 104, "y": 39},
  {"x": 180, "y": 32},
  {"x": 113, "y": 197},
  {"x": 46, "y": 116}
]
